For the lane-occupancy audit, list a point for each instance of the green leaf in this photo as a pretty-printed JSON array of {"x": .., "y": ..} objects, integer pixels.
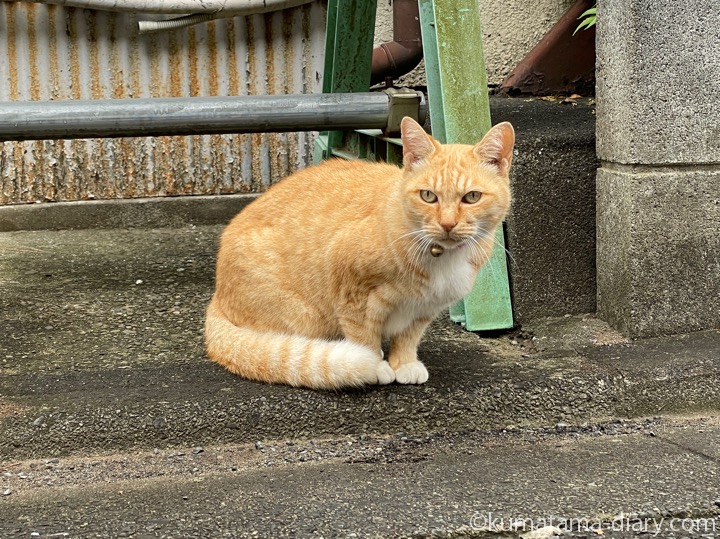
[{"x": 588, "y": 19}]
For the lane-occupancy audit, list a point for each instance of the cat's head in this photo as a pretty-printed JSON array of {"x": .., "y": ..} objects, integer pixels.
[{"x": 456, "y": 194}]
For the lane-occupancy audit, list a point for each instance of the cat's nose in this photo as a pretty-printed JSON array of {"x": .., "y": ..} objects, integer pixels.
[{"x": 447, "y": 227}]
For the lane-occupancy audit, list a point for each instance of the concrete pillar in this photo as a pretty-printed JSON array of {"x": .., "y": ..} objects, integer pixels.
[{"x": 658, "y": 188}]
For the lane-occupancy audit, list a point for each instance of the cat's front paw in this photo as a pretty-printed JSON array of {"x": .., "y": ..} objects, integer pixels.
[
  {"x": 411, "y": 373},
  {"x": 385, "y": 374}
]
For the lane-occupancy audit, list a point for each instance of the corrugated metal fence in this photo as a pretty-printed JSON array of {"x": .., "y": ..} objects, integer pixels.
[{"x": 52, "y": 52}]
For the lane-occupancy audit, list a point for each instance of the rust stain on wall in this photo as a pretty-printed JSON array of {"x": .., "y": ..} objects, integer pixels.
[
  {"x": 133, "y": 59},
  {"x": 212, "y": 58},
  {"x": 12, "y": 63},
  {"x": 232, "y": 61},
  {"x": 94, "y": 46},
  {"x": 53, "y": 52},
  {"x": 270, "y": 62},
  {"x": 33, "y": 53},
  {"x": 290, "y": 24},
  {"x": 54, "y": 66},
  {"x": 117, "y": 50},
  {"x": 252, "y": 89},
  {"x": 192, "y": 58},
  {"x": 73, "y": 37},
  {"x": 53, "y": 151},
  {"x": 26, "y": 52},
  {"x": 229, "y": 182}
]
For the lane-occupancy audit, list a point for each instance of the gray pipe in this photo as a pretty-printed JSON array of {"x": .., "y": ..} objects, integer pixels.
[{"x": 42, "y": 120}]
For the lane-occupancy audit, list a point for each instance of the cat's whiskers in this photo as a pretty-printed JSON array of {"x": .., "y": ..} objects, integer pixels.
[
  {"x": 412, "y": 248},
  {"x": 493, "y": 237},
  {"x": 487, "y": 255},
  {"x": 422, "y": 247},
  {"x": 411, "y": 233},
  {"x": 418, "y": 248},
  {"x": 476, "y": 248},
  {"x": 483, "y": 254}
]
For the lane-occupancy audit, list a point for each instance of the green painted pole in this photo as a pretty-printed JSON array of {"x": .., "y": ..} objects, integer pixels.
[
  {"x": 348, "y": 57},
  {"x": 460, "y": 113}
]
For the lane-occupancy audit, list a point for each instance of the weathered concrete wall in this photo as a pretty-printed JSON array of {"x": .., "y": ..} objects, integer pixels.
[
  {"x": 510, "y": 30},
  {"x": 551, "y": 226},
  {"x": 658, "y": 245},
  {"x": 658, "y": 191}
]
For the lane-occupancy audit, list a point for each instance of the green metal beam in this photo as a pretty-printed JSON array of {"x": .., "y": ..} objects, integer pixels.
[
  {"x": 348, "y": 57},
  {"x": 460, "y": 113}
]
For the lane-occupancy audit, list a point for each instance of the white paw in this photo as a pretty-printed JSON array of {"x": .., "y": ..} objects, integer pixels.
[
  {"x": 411, "y": 373},
  {"x": 385, "y": 374}
]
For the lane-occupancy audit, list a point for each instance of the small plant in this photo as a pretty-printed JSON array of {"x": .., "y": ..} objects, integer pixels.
[{"x": 588, "y": 19}]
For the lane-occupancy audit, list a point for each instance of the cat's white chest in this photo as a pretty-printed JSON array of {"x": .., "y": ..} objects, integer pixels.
[{"x": 450, "y": 277}]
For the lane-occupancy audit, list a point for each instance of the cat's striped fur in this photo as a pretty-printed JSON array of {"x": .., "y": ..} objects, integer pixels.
[{"x": 315, "y": 273}]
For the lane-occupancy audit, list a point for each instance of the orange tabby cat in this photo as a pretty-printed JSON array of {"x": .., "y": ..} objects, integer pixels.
[{"x": 316, "y": 272}]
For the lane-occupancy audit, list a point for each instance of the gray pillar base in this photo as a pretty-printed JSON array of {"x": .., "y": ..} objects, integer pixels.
[
  {"x": 658, "y": 215},
  {"x": 658, "y": 248}
]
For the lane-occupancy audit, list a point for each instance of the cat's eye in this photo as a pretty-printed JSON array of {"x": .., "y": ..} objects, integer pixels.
[
  {"x": 472, "y": 197},
  {"x": 428, "y": 196}
]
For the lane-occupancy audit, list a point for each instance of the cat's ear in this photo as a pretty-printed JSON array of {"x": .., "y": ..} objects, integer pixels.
[
  {"x": 418, "y": 146},
  {"x": 496, "y": 147}
]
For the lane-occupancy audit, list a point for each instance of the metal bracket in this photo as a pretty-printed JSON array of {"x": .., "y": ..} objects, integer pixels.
[{"x": 404, "y": 102}]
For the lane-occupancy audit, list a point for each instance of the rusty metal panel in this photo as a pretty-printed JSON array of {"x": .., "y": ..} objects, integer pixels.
[{"x": 53, "y": 52}]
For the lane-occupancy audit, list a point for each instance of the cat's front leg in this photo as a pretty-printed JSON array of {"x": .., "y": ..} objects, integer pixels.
[
  {"x": 364, "y": 326},
  {"x": 359, "y": 330},
  {"x": 403, "y": 354},
  {"x": 362, "y": 318}
]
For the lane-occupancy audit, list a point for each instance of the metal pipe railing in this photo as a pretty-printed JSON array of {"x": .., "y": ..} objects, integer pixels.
[
  {"x": 241, "y": 7},
  {"x": 106, "y": 118}
]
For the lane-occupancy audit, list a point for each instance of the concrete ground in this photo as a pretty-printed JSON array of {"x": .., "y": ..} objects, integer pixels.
[{"x": 113, "y": 423}]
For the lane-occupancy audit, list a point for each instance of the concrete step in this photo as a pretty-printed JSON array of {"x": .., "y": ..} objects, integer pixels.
[
  {"x": 102, "y": 350},
  {"x": 620, "y": 479}
]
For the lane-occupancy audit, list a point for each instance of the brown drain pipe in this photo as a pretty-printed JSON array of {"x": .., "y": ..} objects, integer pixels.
[
  {"x": 400, "y": 56},
  {"x": 563, "y": 62}
]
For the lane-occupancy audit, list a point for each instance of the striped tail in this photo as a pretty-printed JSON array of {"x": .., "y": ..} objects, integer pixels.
[{"x": 291, "y": 359}]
